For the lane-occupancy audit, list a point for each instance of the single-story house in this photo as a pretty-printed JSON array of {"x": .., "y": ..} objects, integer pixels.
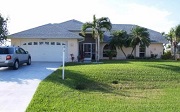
[{"x": 46, "y": 42}]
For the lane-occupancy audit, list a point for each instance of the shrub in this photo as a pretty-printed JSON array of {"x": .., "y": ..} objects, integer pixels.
[
  {"x": 111, "y": 53},
  {"x": 129, "y": 56},
  {"x": 154, "y": 56},
  {"x": 80, "y": 87},
  {"x": 167, "y": 55},
  {"x": 115, "y": 82}
]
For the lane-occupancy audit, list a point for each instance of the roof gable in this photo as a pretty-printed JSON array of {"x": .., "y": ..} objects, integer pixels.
[{"x": 71, "y": 25}]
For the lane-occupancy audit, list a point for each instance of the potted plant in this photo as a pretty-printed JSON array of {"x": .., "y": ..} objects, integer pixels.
[{"x": 72, "y": 57}]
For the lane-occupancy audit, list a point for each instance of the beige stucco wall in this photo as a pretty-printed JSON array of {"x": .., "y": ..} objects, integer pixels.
[
  {"x": 154, "y": 48},
  {"x": 120, "y": 54},
  {"x": 72, "y": 45},
  {"x": 73, "y": 48},
  {"x": 15, "y": 42}
]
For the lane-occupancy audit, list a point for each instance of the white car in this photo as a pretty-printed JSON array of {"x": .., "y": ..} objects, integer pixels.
[{"x": 13, "y": 57}]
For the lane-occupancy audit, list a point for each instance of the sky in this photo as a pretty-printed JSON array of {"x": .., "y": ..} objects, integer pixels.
[{"x": 158, "y": 15}]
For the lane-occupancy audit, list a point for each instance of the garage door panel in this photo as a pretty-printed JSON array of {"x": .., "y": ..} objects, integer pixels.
[{"x": 45, "y": 51}]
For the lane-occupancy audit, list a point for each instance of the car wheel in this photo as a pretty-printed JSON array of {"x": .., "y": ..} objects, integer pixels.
[
  {"x": 16, "y": 65},
  {"x": 29, "y": 61}
]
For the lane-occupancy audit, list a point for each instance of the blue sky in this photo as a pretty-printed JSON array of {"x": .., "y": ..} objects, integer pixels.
[{"x": 158, "y": 15}]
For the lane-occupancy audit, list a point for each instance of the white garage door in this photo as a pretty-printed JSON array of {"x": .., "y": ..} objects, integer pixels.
[{"x": 45, "y": 50}]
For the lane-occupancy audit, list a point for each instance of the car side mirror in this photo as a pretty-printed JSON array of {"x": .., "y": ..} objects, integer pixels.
[{"x": 27, "y": 52}]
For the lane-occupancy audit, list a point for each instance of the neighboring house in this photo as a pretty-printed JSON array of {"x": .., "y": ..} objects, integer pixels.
[{"x": 45, "y": 43}]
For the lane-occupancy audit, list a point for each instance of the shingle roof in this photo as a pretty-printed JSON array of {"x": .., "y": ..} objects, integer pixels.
[
  {"x": 60, "y": 30},
  {"x": 70, "y": 29},
  {"x": 154, "y": 35}
]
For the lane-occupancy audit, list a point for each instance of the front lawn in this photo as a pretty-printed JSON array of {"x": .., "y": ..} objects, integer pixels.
[{"x": 113, "y": 86}]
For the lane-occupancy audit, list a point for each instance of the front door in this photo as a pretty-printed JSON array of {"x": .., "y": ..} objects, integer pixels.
[{"x": 87, "y": 50}]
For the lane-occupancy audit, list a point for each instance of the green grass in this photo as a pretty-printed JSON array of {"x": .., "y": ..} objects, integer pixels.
[{"x": 113, "y": 86}]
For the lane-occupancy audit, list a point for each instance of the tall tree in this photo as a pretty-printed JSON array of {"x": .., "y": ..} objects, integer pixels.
[
  {"x": 3, "y": 29},
  {"x": 177, "y": 33},
  {"x": 139, "y": 35},
  {"x": 170, "y": 35},
  {"x": 176, "y": 39},
  {"x": 97, "y": 26},
  {"x": 119, "y": 39}
]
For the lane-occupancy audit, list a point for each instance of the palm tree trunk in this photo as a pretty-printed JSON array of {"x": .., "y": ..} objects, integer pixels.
[
  {"x": 175, "y": 46},
  {"x": 175, "y": 52},
  {"x": 98, "y": 54},
  {"x": 96, "y": 51},
  {"x": 133, "y": 50},
  {"x": 123, "y": 52}
]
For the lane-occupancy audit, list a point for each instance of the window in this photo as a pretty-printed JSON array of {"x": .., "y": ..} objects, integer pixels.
[
  {"x": 52, "y": 43},
  {"x": 29, "y": 43},
  {"x": 142, "y": 51},
  {"x": 24, "y": 44},
  {"x": 46, "y": 43},
  {"x": 35, "y": 43},
  {"x": 108, "y": 48},
  {"x": 18, "y": 51},
  {"x": 41, "y": 43},
  {"x": 6, "y": 50},
  {"x": 58, "y": 43},
  {"x": 22, "y": 51}
]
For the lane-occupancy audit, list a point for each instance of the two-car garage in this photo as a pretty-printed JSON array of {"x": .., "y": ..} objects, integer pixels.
[{"x": 45, "y": 49}]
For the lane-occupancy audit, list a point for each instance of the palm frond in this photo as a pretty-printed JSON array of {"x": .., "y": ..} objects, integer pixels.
[
  {"x": 86, "y": 26},
  {"x": 97, "y": 27},
  {"x": 101, "y": 35},
  {"x": 105, "y": 23},
  {"x": 94, "y": 34},
  {"x": 94, "y": 19},
  {"x": 104, "y": 19},
  {"x": 140, "y": 35},
  {"x": 177, "y": 32},
  {"x": 119, "y": 38}
]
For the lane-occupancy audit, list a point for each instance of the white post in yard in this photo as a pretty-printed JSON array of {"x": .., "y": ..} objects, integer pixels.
[{"x": 63, "y": 62}]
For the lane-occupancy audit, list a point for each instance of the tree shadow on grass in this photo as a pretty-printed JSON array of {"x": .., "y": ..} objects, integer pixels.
[
  {"x": 167, "y": 67},
  {"x": 72, "y": 79},
  {"x": 79, "y": 82}
]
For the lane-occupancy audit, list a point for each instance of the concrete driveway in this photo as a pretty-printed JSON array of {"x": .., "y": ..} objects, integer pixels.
[{"x": 17, "y": 87}]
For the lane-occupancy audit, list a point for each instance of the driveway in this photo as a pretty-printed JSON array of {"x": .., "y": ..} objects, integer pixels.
[{"x": 17, "y": 87}]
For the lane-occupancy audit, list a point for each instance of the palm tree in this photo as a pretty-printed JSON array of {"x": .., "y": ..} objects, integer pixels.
[
  {"x": 119, "y": 40},
  {"x": 97, "y": 27},
  {"x": 176, "y": 39},
  {"x": 177, "y": 33},
  {"x": 139, "y": 35},
  {"x": 170, "y": 35}
]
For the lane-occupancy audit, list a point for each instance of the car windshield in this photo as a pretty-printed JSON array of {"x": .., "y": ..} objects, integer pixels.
[{"x": 6, "y": 50}]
